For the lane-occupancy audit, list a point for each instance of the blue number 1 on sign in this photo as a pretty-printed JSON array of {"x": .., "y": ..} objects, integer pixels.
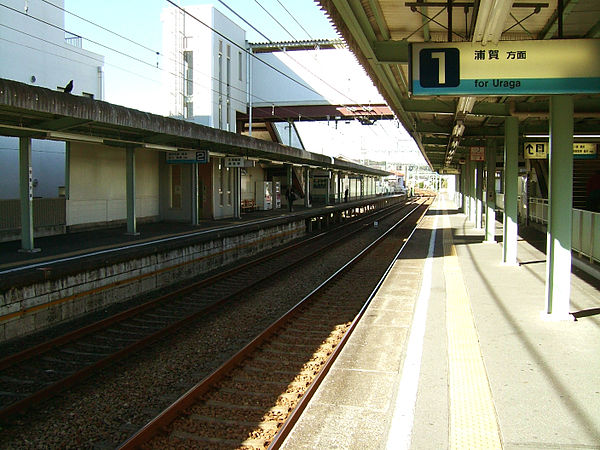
[{"x": 439, "y": 67}]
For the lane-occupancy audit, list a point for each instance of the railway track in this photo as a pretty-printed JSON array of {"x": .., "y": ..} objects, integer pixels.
[
  {"x": 28, "y": 377},
  {"x": 253, "y": 400}
]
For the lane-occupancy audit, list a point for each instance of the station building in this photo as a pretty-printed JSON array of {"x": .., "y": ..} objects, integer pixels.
[{"x": 206, "y": 83}]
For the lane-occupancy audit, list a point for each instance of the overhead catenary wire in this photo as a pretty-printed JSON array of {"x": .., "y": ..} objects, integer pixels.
[
  {"x": 122, "y": 54},
  {"x": 275, "y": 20},
  {"x": 102, "y": 28},
  {"x": 286, "y": 53},
  {"x": 295, "y": 20},
  {"x": 307, "y": 118}
]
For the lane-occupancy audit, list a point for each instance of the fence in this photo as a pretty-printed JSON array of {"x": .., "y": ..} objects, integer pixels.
[
  {"x": 47, "y": 212},
  {"x": 586, "y": 226}
]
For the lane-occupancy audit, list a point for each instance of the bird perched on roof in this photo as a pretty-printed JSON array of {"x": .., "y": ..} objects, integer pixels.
[{"x": 69, "y": 87}]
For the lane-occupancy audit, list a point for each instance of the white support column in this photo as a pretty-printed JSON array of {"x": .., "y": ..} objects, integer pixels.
[
  {"x": 26, "y": 195},
  {"x": 511, "y": 172},
  {"x": 130, "y": 190},
  {"x": 490, "y": 197},
  {"x": 560, "y": 209}
]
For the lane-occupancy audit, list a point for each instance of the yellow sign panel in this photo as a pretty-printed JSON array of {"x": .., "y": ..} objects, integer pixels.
[
  {"x": 584, "y": 149},
  {"x": 539, "y": 150},
  {"x": 536, "y": 150}
]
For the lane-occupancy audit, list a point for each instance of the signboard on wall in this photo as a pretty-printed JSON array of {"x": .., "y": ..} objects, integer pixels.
[
  {"x": 188, "y": 157},
  {"x": 570, "y": 66},
  {"x": 238, "y": 161},
  {"x": 477, "y": 153}
]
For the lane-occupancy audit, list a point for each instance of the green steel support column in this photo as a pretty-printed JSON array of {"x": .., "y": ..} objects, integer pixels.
[
  {"x": 26, "y": 194},
  {"x": 473, "y": 194},
  {"x": 490, "y": 207},
  {"x": 130, "y": 190},
  {"x": 479, "y": 196},
  {"x": 67, "y": 170},
  {"x": 194, "y": 190},
  {"x": 362, "y": 187},
  {"x": 307, "y": 187},
  {"x": 468, "y": 189},
  {"x": 560, "y": 204},
  {"x": 511, "y": 172},
  {"x": 328, "y": 193},
  {"x": 463, "y": 189},
  {"x": 237, "y": 192}
]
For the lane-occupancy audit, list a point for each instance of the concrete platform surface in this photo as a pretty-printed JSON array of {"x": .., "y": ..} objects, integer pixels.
[{"x": 453, "y": 353}]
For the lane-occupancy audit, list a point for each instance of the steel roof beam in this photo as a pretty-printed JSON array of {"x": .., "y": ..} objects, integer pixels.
[
  {"x": 594, "y": 31},
  {"x": 391, "y": 52},
  {"x": 552, "y": 25}
]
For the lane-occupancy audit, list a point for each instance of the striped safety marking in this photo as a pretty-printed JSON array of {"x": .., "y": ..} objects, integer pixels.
[{"x": 473, "y": 420}]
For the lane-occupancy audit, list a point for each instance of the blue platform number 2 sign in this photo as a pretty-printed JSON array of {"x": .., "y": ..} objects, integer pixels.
[{"x": 439, "y": 67}]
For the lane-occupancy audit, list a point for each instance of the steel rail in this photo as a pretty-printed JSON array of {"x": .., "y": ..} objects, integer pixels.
[
  {"x": 320, "y": 377},
  {"x": 189, "y": 398},
  {"x": 80, "y": 374}
]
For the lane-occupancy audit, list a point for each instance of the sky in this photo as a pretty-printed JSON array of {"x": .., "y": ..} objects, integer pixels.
[{"x": 129, "y": 35}]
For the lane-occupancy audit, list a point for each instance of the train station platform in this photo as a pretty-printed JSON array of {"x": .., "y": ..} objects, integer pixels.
[
  {"x": 85, "y": 272},
  {"x": 453, "y": 353},
  {"x": 87, "y": 242}
]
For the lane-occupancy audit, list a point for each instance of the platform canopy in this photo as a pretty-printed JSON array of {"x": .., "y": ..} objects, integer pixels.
[
  {"x": 40, "y": 113},
  {"x": 453, "y": 70}
]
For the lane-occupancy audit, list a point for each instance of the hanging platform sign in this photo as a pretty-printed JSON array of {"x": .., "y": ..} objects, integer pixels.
[
  {"x": 477, "y": 153},
  {"x": 188, "y": 157},
  {"x": 238, "y": 161},
  {"x": 535, "y": 150},
  {"x": 539, "y": 150},
  {"x": 585, "y": 150},
  {"x": 567, "y": 66}
]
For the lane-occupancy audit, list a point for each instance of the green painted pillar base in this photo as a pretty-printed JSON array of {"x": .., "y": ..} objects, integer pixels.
[
  {"x": 26, "y": 196},
  {"x": 479, "y": 197},
  {"x": 511, "y": 171},
  {"x": 130, "y": 191},
  {"x": 490, "y": 194}
]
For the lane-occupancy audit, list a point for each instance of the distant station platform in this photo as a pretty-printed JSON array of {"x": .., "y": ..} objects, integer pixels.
[
  {"x": 453, "y": 352},
  {"x": 87, "y": 244},
  {"x": 84, "y": 272}
]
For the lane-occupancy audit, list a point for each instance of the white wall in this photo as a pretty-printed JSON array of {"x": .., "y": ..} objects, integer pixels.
[
  {"x": 97, "y": 192},
  {"x": 204, "y": 45},
  {"x": 329, "y": 76},
  {"x": 35, "y": 53},
  {"x": 253, "y": 175},
  {"x": 31, "y": 48},
  {"x": 48, "y": 165}
]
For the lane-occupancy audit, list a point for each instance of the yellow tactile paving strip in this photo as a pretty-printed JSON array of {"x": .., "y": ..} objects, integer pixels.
[{"x": 473, "y": 420}]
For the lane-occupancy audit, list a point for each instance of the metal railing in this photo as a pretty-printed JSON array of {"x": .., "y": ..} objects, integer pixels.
[
  {"x": 47, "y": 212},
  {"x": 585, "y": 226}
]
